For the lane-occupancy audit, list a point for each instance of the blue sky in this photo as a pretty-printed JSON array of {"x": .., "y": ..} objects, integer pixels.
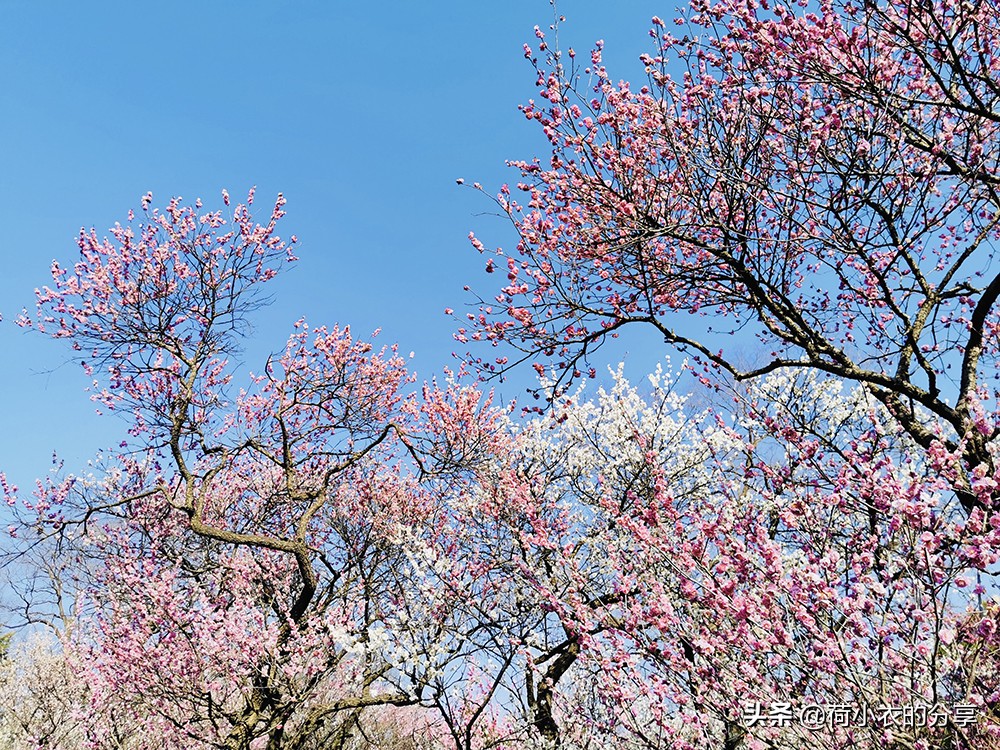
[{"x": 363, "y": 115}]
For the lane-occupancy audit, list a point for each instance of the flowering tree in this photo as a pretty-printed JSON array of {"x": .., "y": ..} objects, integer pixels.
[
  {"x": 821, "y": 176},
  {"x": 326, "y": 557},
  {"x": 694, "y": 572},
  {"x": 40, "y": 697},
  {"x": 250, "y": 572}
]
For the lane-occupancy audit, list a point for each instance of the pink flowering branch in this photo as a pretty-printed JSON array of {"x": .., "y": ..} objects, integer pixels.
[{"x": 821, "y": 178}]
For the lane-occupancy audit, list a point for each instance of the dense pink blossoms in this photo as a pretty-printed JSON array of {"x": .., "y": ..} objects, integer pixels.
[
  {"x": 822, "y": 176},
  {"x": 326, "y": 554}
]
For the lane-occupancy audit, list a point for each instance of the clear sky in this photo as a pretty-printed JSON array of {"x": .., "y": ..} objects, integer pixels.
[{"x": 363, "y": 115}]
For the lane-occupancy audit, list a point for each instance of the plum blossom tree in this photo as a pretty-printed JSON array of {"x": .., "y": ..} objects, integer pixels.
[
  {"x": 688, "y": 566},
  {"x": 250, "y": 559},
  {"x": 40, "y": 696},
  {"x": 820, "y": 175},
  {"x": 329, "y": 558},
  {"x": 43, "y": 699}
]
